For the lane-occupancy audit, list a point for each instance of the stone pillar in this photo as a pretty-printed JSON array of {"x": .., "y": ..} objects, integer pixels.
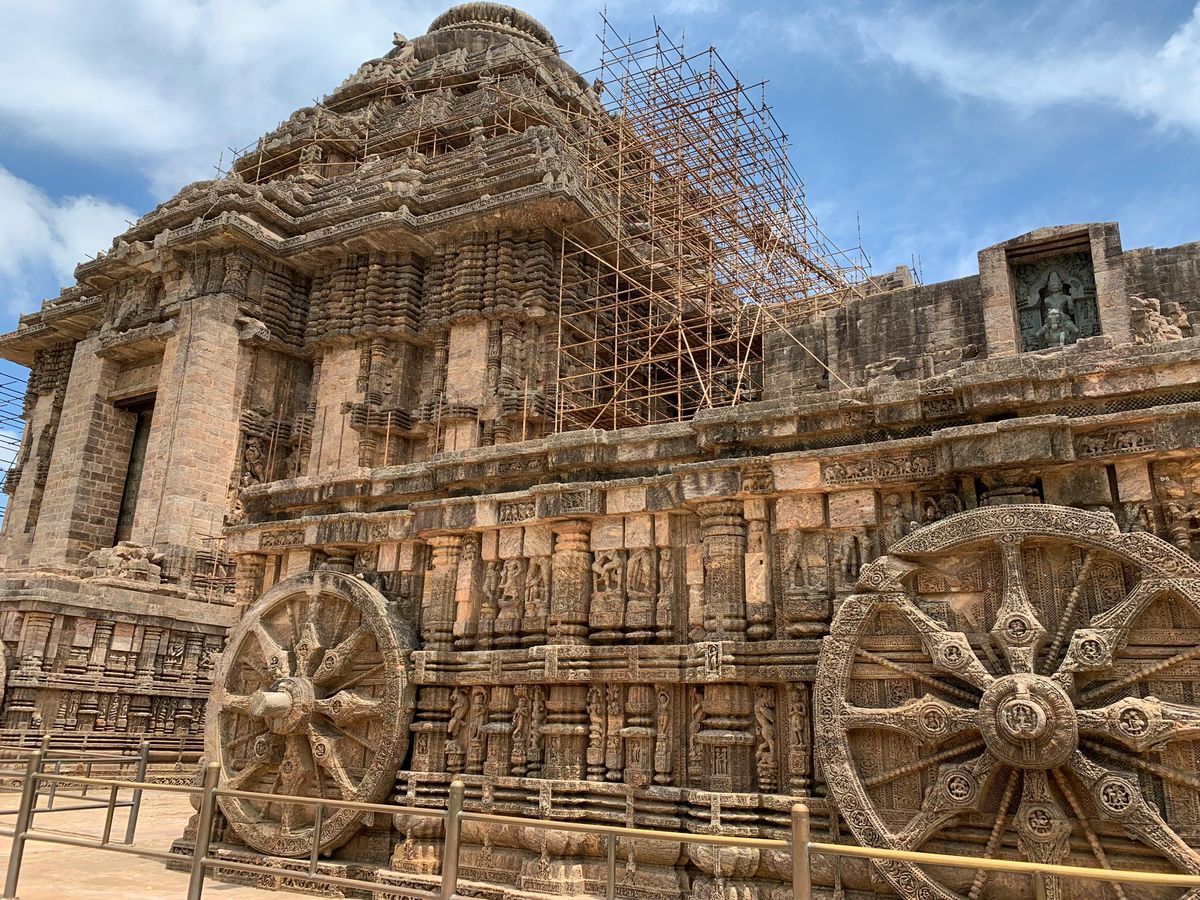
[
  {"x": 249, "y": 570},
  {"x": 441, "y": 587},
  {"x": 614, "y": 749},
  {"x": 35, "y": 635},
  {"x": 194, "y": 437},
  {"x": 466, "y": 376},
  {"x": 565, "y": 732},
  {"x": 87, "y": 469},
  {"x": 727, "y": 738},
  {"x": 467, "y": 591},
  {"x": 571, "y": 577},
  {"x": 498, "y": 732},
  {"x": 760, "y": 608},
  {"x": 1112, "y": 295},
  {"x": 429, "y": 729},
  {"x": 100, "y": 641},
  {"x": 724, "y": 570},
  {"x": 191, "y": 655},
  {"x": 151, "y": 641},
  {"x": 999, "y": 305},
  {"x": 334, "y": 444},
  {"x": 638, "y": 735}
]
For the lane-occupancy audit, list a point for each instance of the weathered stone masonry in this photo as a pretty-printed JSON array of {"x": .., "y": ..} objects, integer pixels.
[{"x": 941, "y": 583}]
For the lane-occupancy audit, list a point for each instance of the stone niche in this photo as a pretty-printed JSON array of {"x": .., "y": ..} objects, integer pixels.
[
  {"x": 1058, "y": 282},
  {"x": 1053, "y": 287}
]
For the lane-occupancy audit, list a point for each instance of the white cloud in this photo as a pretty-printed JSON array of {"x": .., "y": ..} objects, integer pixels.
[
  {"x": 160, "y": 89},
  {"x": 42, "y": 239},
  {"x": 1021, "y": 64},
  {"x": 167, "y": 85}
]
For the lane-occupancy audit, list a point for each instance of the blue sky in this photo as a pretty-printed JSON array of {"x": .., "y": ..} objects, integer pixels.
[{"x": 946, "y": 127}]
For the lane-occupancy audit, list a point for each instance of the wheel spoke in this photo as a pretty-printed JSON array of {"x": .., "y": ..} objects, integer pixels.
[
  {"x": 1147, "y": 671},
  {"x": 324, "y": 751},
  {"x": 346, "y": 707},
  {"x": 1142, "y": 724},
  {"x": 958, "y": 788},
  {"x": 306, "y": 648},
  {"x": 921, "y": 764},
  {"x": 1068, "y": 613},
  {"x": 998, "y": 828},
  {"x": 949, "y": 650},
  {"x": 1064, "y": 785},
  {"x": 1018, "y": 629},
  {"x": 1043, "y": 832},
  {"x": 1093, "y": 649},
  {"x": 338, "y": 659},
  {"x": 1187, "y": 779},
  {"x": 926, "y": 718},
  {"x": 1119, "y": 797},
  {"x": 276, "y": 658},
  {"x": 356, "y": 679},
  {"x": 238, "y": 781}
]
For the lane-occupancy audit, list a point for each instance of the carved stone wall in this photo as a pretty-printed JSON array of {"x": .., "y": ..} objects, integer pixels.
[{"x": 352, "y": 365}]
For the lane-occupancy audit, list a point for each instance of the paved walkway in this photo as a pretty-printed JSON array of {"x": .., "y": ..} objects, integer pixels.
[{"x": 53, "y": 871}]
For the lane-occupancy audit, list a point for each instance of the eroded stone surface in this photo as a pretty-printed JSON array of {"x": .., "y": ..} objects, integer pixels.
[{"x": 341, "y": 374}]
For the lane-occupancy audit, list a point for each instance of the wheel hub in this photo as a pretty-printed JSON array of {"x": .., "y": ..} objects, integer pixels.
[
  {"x": 285, "y": 708},
  {"x": 1028, "y": 721}
]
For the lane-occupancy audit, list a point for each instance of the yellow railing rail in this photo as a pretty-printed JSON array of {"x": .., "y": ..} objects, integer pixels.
[{"x": 202, "y": 862}]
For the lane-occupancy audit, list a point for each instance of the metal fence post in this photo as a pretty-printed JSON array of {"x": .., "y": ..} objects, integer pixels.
[
  {"x": 610, "y": 877},
  {"x": 450, "y": 851},
  {"x": 33, "y": 768},
  {"x": 204, "y": 824},
  {"x": 142, "y": 766},
  {"x": 801, "y": 836}
]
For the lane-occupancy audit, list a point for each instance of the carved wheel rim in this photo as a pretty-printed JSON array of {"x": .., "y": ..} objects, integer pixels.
[
  {"x": 997, "y": 672},
  {"x": 311, "y": 698}
]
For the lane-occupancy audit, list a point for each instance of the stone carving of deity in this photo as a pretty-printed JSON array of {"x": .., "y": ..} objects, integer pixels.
[
  {"x": 1058, "y": 331},
  {"x": 511, "y": 589},
  {"x": 1058, "y": 297}
]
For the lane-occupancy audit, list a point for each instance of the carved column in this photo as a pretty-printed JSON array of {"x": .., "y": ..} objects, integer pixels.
[
  {"x": 466, "y": 595},
  {"x": 248, "y": 572},
  {"x": 438, "y": 608},
  {"x": 614, "y": 749},
  {"x": 34, "y": 639},
  {"x": 724, "y": 570},
  {"x": 429, "y": 729},
  {"x": 498, "y": 732},
  {"x": 191, "y": 656},
  {"x": 100, "y": 641},
  {"x": 760, "y": 609},
  {"x": 151, "y": 641},
  {"x": 565, "y": 732},
  {"x": 638, "y": 735},
  {"x": 570, "y": 595},
  {"x": 799, "y": 739},
  {"x": 726, "y": 738}
]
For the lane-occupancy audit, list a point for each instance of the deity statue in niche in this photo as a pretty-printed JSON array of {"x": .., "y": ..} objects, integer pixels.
[
  {"x": 1058, "y": 331},
  {"x": 1056, "y": 296},
  {"x": 1056, "y": 300}
]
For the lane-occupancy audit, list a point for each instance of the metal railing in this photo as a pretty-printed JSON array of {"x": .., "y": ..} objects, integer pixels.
[
  {"x": 801, "y": 845},
  {"x": 77, "y": 759}
]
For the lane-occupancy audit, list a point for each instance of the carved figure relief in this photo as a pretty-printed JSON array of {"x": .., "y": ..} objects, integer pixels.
[
  {"x": 766, "y": 753},
  {"x": 1056, "y": 301},
  {"x": 607, "y": 617}
]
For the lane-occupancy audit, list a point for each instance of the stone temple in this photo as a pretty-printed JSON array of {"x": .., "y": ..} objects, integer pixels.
[{"x": 486, "y": 422}]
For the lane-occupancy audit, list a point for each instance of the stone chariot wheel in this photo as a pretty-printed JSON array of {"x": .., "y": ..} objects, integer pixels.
[
  {"x": 312, "y": 697},
  {"x": 1019, "y": 682}
]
